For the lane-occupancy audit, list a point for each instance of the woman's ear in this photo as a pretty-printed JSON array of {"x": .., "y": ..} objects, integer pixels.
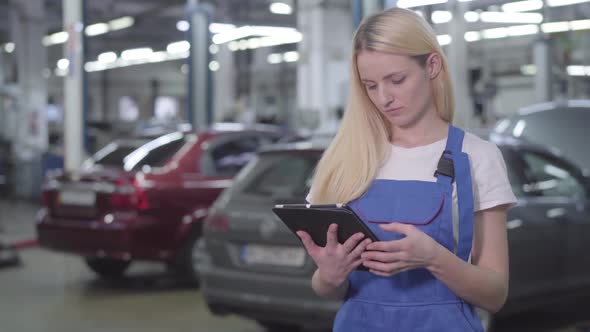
[{"x": 433, "y": 65}]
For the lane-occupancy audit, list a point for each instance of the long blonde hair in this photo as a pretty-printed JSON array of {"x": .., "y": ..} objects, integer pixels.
[{"x": 361, "y": 145}]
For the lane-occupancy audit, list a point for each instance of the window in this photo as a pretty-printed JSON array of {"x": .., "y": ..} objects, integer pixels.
[
  {"x": 229, "y": 157},
  {"x": 282, "y": 175},
  {"x": 115, "y": 157},
  {"x": 155, "y": 153},
  {"x": 550, "y": 178}
]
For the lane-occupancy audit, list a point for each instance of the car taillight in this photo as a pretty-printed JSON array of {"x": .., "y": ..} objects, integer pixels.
[
  {"x": 216, "y": 221},
  {"x": 129, "y": 195},
  {"x": 47, "y": 198}
]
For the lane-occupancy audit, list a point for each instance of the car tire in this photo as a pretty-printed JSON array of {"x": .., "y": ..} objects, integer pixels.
[
  {"x": 184, "y": 265},
  {"x": 108, "y": 268},
  {"x": 486, "y": 319},
  {"x": 279, "y": 327}
]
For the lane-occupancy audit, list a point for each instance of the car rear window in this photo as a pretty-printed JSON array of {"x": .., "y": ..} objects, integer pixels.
[
  {"x": 115, "y": 157},
  {"x": 280, "y": 175},
  {"x": 155, "y": 153}
]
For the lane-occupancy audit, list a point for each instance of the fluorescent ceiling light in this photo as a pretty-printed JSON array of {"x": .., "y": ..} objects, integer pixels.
[
  {"x": 494, "y": 33},
  {"x": 523, "y": 30},
  {"x": 502, "y": 17},
  {"x": 182, "y": 25},
  {"x": 136, "y": 53},
  {"x": 418, "y": 3},
  {"x": 292, "y": 56},
  {"x": 472, "y": 36},
  {"x": 522, "y": 6},
  {"x": 121, "y": 23},
  {"x": 107, "y": 57},
  {"x": 558, "y": 3},
  {"x": 580, "y": 25},
  {"x": 528, "y": 70},
  {"x": 471, "y": 16},
  {"x": 63, "y": 64},
  {"x": 220, "y": 27},
  {"x": 555, "y": 27},
  {"x": 55, "y": 38},
  {"x": 247, "y": 31},
  {"x": 214, "y": 65},
  {"x": 96, "y": 29},
  {"x": 444, "y": 40},
  {"x": 9, "y": 47},
  {"x": 178, "y": 47},
  {"x": 280, "y": 8},
  {"x": 274, "y": 58},
  {"x": 441, "y": 16},
  {"x": 213, "y": 49},
  {"x": 576, "y": 70}
]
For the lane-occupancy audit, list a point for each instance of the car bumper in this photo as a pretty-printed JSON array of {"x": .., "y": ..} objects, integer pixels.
[
  {"x": 97, "y": 237},
  {"x": 262, "y": 296}
]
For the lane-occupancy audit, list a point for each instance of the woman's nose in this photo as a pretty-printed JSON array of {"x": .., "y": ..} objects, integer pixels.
[{"x": 385, "y": 98}]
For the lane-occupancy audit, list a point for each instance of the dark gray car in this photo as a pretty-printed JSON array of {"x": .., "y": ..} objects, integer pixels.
[{"x": 252, "y": 265}]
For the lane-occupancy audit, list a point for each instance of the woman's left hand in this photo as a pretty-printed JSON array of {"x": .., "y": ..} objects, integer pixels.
[{"x": 387, "y": 258}]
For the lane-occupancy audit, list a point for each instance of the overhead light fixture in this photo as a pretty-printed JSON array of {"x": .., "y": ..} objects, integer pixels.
[
  {"x": 96, "y": 29},
  {"x": 274, "y": 58},
  {"x": 578, "y": 70},
  {"x": 522, "y": 6},
  {"x": 63, "y": 64},
  {"x": 580, "y": 25},
  {"x": 178, "y": 47},
  {"x": 418, "y": 3},
  {"x": 552, "y": 27},
  {"x": 121, "y": 23},
  {"x": 9, "y": 47},
  {"x": 213, "y": 49},
  {"x": 136, "y": 53},
  {"x": 494, "y": 33},
  {"x": 471, "y": 36},
  {"x": 471, "y": 16},
  {"x": 441, "y": 16},
  {"x": 247, "y": 31},
  {"x": 523, "y": 30},
  {"x": 220, "y": 27},
  {"x": 280, "y": 8},
  {"x": 502, "y": 17},
  {"x": 559, "y": 3},
  {"x": 444, "y": 39},
  {"x": 528, "y": 70},
  {"x": 292, "y": 56},
  {"x": 182, "y": 25},
  {"x": 213, "y": 65},
  {"x": 55, "y": 38},
  {"x": 107, "y": 57}
]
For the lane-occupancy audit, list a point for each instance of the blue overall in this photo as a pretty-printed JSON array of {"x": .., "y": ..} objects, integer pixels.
[{"x": 414, "y": 300}]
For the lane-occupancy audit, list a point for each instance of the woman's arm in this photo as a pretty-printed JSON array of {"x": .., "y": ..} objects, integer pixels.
[
  {"x": 335, "y": 290},
  {"x": 484, "y": 283}
]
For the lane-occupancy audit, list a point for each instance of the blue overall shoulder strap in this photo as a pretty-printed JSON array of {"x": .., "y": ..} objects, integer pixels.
[{"x": 461, "y": 174}]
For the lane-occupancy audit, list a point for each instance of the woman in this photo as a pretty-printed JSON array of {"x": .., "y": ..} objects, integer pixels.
[{"x": 436, "y": 197}]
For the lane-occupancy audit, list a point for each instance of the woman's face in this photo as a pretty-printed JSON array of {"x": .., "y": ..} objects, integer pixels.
[{"x": 397, "y": 85}]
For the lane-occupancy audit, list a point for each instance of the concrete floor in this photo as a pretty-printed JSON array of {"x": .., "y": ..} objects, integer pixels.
[{"x": 52, "y": 292}]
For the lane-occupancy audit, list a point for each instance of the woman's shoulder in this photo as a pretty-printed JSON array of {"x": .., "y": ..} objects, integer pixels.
[{"x": 476, "y": 146}]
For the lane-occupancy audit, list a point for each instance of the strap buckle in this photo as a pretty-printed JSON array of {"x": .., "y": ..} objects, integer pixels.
[{"x": 445, "y": 166}]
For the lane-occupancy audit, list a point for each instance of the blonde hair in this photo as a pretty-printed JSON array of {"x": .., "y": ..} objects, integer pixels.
[{"x": 351, "y": 162}]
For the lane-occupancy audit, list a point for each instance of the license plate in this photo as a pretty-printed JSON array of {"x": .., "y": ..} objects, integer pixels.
[
  {"x": 273, "y": 255},
  {"x": 81, "y": 198}
]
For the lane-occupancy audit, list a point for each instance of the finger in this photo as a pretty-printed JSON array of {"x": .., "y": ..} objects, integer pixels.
[
  {"x": 332, "y": 236},
  {"x": 390, "y": 246},
  {"x": 379, "y": 266},
  {"x": 381, "y": 274},
  {"x": 384, "y": 257},
  {"x": 396, "y": 227},
  {"x": 360, "y": 248},
  {"x": 352, "y": 242},
  {"x": 308, "y": 243}
]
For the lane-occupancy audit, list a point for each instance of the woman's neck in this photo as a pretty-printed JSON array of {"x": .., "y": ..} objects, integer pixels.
[{"x": 423, "y": 133}]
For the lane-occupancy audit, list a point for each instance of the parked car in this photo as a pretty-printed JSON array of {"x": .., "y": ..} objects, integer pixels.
[
  {"x": 562, "y": 125},
  {"x": 151, "y": 207},
  {"x": 250, "y": 263}
]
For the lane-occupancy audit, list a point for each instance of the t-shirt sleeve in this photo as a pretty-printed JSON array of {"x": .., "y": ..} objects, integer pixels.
[
  {"x": 308, "y": 198},
  {"x": 491, "y": 186}
]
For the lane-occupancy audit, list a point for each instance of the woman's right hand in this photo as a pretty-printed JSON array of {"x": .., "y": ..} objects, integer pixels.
[{"x": 335, "y": 261}]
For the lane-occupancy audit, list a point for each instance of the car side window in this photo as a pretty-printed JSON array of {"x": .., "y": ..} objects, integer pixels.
[
  {"x": 550, "y": 178},
  {"x": 229, "y": 157}
]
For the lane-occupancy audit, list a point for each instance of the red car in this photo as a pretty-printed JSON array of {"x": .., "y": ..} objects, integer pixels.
[{"x": 151, "y": 206}]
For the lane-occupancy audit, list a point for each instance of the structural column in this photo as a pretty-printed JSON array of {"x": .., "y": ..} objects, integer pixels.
[
  {"x": 224, "y": 82},
  {"x": 457, "y": 55},
  {"x": 324, "y": 66},
  {"x": 73, "y": 85},
  {"x": 543, "y": 77}
]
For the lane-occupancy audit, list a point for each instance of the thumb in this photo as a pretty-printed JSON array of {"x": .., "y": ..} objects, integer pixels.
[
  {"x": 396, "y": 227},
  {"x": 307, "y": 241}
]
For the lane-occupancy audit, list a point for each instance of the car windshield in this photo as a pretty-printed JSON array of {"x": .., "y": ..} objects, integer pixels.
[
  {"x": 155, "y": 153},
  {"x": 280, "y": 175}
]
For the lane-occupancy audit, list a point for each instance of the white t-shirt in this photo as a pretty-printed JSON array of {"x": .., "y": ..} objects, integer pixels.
[{"x": 488, "y": 170}]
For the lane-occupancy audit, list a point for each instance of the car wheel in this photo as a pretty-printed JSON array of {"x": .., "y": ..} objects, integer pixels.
[
  {"x": 279, "y": 327},
  {"x": 486, "y": 319},
  {"x": 108, "y": 268},
  {"x": 184, "y": 264}
]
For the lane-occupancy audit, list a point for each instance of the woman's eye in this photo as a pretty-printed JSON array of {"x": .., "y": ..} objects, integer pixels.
[
  {"x": 371, "y": 87},
  {"x": 399, "y": 81}
]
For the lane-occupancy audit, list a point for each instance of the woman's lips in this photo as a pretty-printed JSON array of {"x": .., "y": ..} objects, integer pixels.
[{"x": 393, "y": 110}]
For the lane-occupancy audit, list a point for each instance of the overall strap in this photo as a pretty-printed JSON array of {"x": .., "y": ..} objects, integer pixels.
[{"x": 454, "y": 166}]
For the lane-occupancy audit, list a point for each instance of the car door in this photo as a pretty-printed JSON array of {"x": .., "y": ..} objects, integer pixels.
[
  {"x": 536, "y": 265},
  {"x": 563, "y": 189}
]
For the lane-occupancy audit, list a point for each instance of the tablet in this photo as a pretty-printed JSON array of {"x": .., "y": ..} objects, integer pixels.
[{"x": 315, "y": 220}]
